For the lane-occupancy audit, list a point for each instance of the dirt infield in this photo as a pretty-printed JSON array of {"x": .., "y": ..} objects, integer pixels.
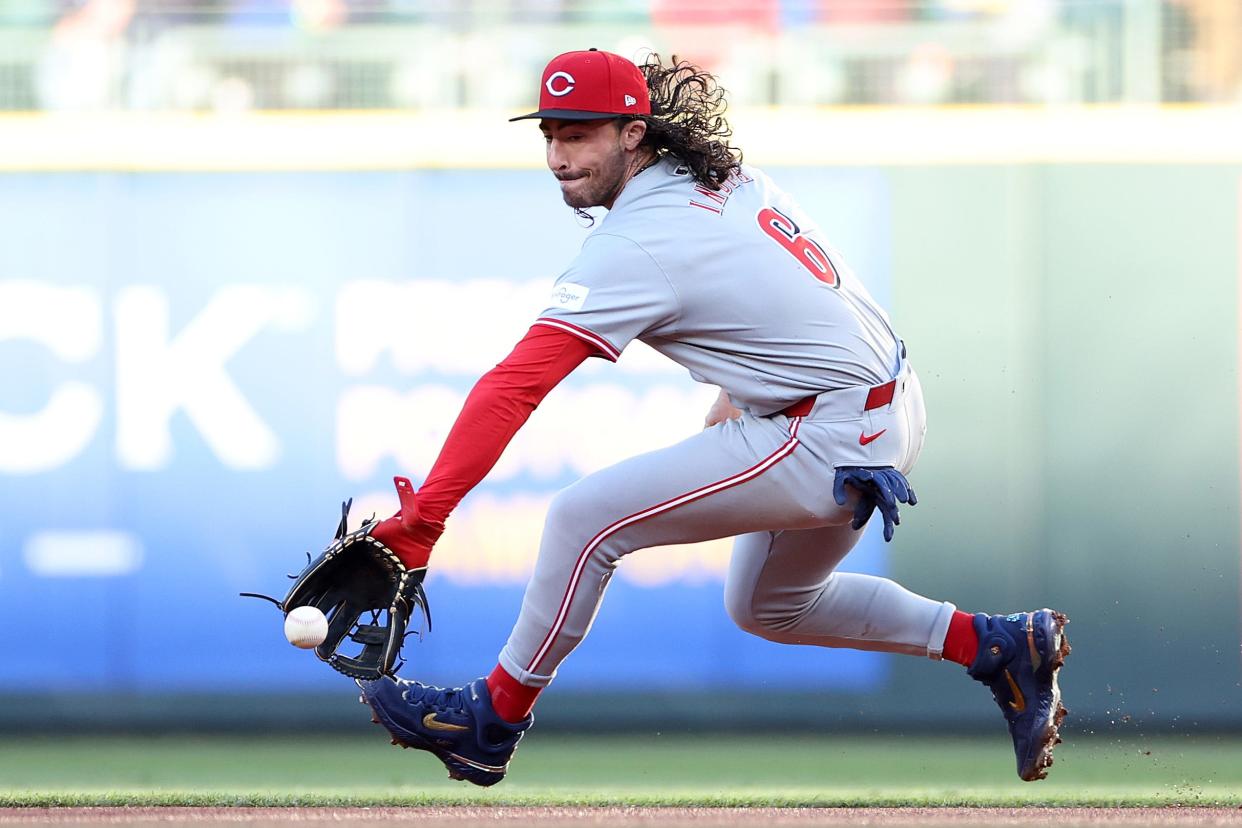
[{"x": 468, "y": 817}]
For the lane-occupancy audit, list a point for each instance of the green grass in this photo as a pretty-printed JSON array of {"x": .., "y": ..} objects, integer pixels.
[{"x": 651, "y": 770}]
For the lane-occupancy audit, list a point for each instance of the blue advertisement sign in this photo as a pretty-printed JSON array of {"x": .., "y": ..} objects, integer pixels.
[{"x": 200, "y": 367}]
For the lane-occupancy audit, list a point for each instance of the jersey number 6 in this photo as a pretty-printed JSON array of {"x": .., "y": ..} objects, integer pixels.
[{"x": 784, "y": 231}]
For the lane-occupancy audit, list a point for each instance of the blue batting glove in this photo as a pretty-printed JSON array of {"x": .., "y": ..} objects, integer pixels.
[{"x": 881, "y": 488}]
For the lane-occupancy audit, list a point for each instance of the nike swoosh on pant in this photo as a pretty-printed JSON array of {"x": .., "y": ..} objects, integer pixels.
[{"x": 863, "y": 439}]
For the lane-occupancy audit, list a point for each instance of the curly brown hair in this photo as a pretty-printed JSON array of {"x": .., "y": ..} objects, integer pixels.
[{"x": 687, "y": 120}]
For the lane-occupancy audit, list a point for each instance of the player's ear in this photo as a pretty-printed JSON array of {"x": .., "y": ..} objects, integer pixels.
[{"x": 632, "y": 133}]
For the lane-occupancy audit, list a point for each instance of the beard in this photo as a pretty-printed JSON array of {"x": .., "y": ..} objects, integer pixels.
[{"x": 600, "y": 187}]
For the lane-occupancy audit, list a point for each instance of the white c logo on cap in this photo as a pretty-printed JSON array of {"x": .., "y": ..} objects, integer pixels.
[{"x": 569, "y": 84}]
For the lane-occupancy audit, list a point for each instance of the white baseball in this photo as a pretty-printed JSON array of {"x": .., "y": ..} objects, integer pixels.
[{"x": 306, "y": 627}]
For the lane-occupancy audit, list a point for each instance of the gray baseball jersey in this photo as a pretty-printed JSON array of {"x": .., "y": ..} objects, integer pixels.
[{"x": 737, "y": 285}]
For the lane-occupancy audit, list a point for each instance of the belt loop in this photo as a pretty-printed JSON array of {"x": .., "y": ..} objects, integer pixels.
[{"x": 880, "y": 395}]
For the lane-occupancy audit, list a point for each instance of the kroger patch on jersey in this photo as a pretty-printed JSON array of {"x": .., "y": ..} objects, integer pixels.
[
  {"x": 569, "y": 296},
  {"x": 207, "y": 410}
]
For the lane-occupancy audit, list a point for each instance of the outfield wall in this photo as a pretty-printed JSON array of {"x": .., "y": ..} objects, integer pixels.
[
  {"x": 1081, "y": 374},
  {"x": 207, "y": 360}
]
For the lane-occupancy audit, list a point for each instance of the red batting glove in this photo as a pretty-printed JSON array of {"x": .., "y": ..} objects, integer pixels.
[{"x": 404, "y": 533}]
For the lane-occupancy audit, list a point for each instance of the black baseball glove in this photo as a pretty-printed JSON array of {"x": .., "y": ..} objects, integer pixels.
[{"x": 359, "y": 575}]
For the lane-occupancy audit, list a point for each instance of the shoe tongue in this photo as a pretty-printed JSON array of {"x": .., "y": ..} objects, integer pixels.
[
  {"x": 443, "y": 698},
  {"x": 427, "y": 693}
]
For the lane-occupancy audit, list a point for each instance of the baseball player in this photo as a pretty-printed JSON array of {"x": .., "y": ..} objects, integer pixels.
[{"x": 819, "y": 420}]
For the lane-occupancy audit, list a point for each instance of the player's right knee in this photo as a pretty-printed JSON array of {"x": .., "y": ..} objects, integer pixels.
[
  {"x": 740, "y": 606},
  {"x": 770, "y": 619}
]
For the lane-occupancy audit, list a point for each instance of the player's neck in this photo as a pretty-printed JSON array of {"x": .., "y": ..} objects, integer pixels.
[{"x": 640, "y": 161}]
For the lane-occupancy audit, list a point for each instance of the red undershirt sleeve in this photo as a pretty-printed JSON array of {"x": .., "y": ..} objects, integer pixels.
[{"x": 500, "y": 403}]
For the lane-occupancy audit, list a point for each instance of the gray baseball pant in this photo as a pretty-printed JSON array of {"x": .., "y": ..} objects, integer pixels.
[{"x": 766, "y": 481}]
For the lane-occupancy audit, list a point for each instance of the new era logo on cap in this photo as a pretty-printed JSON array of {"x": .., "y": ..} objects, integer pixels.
[{"x": 581, "y": 86}]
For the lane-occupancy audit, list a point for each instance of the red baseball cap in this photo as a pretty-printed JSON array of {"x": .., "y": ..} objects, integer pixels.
[{"x": 582, "y": 86}]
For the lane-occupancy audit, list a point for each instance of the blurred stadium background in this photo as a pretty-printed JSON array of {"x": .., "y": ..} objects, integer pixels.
[
  {"x": 217, "y": 55},
  {"x": 256, "y": 251}
]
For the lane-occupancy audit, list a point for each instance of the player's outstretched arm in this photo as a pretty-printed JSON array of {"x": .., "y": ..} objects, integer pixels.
[{"x": 499, "y": 404}]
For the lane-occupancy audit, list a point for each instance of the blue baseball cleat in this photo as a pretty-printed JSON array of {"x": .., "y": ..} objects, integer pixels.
[
  {"x": 458, "y": 725},
  {"x": 1019, "y": 656}
]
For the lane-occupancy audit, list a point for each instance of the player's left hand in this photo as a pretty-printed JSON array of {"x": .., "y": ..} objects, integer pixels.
[{"x": 881, "y": 488}]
